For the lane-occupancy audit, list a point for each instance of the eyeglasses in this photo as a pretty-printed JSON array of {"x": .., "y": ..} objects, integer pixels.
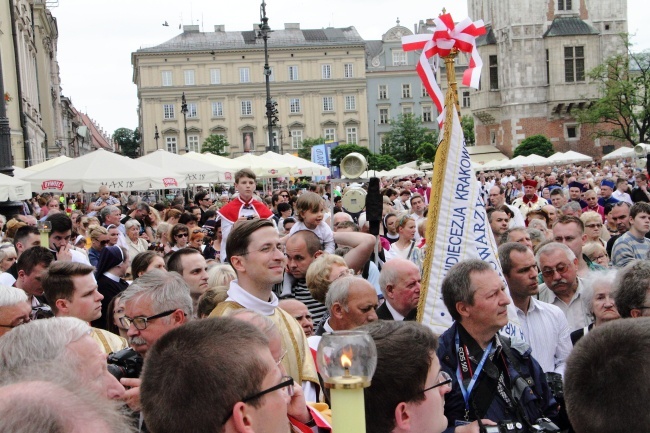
[
  {"x": 266, "y": 249},
  {"x": 281, "y": 358},
  {"x": 594, "y": 226},
  {"x": 345, "y": 273},
  {"x": 197, "y": 231},
  {"x": 140, "y": 322},
  {"x": 561, "y": 268},
  {"x": 284, "y": 195},
  {"x": 287, "y": 382},
  {"x": 595, "y": 259},
  {"x": 182, "y": 235},
  {"x": 443, "y": 379}
]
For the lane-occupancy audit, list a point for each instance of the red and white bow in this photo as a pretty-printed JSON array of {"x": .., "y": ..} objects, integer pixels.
[{"x": 445, "y": 37}]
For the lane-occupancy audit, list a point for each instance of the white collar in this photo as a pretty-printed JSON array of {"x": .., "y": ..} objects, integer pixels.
[
  {"x": 396, "y": 316},
  {"x": 239, "y": 295},
  {"x": 327, "y": 327},
  {"x": 112, "y": 277}
]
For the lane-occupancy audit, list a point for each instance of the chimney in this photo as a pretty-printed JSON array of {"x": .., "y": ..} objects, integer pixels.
[
  {"x": 292, "y": 26},
  {"x": 191, "y": 29},
  {"x": 220, "y": 28}
]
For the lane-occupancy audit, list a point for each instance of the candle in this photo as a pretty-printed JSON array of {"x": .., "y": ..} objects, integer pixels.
[
  {"x": 45, "y": 228},
  {"x": 346, "y": 395}
]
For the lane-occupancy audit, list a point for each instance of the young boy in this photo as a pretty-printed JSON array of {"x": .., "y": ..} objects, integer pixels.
[
  {"x": 105, "y": 199},
  {"x": 241, "y": 208}
]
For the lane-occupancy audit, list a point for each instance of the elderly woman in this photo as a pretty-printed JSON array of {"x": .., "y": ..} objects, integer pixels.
[
  {"x": 7, "y": 256},
  {"x": 98, "y": 240},
  {"x": 179, "y": 237},
  {"x": 600, "y": 301},
  {"x": 135, "y": 243},
  {"x": 594, "y": 229},
  {"x": 597, "y": 253},
  {"x": 404, "y": 247}
]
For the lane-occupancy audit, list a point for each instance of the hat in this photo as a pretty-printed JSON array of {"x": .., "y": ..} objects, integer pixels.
[
  {"x": 109, "y": 257},
  {"x": 609, "y": 183},
  {"x": 576, "y": 185},
  {"x": 530, "y": 182}
]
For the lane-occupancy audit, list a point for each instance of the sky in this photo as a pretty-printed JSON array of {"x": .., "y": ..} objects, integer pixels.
[{"x": 97, "y": 37}]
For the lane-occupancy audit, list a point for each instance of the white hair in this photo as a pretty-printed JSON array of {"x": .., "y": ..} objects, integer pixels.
[
  {"x": 11, "y": 296},
  {"x": 40, "y": 341}
]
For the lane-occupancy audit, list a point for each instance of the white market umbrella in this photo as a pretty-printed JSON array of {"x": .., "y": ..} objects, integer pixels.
[
  {"x": 89, "y": 172},
  {"x": 575, "y": 157},
  {"x": 195, "y": 171},
  {"x": 534, "y": 160},
  {"x": 556, "y": 158},
  {"x": 12, "y": 188},
  {"x": 621, "y": 152},
  {"x": 516, "y": 162},
  {"x": 227, "y": 165},
  {"x": 404, "y": 171},
  {"x": 264, "y": 167},
  {"x": 21, "y": 172},
  {"x": 304, "y": 167},
  {"x": 49, "y": 163}
]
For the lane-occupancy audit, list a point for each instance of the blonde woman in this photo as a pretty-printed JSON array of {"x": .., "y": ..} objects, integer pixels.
[
  {"x": 594, "y": 228},
  {"x": 405, "y": 247}
]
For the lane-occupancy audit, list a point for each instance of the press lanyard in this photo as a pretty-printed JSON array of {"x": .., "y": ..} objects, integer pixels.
[{"x": 467, "y": 392}]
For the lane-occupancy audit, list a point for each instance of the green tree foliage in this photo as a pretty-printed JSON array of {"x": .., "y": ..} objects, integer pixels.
[
  {"x": 307, "y": 144},
  {"x": 381, "y": 162},
  {"x": 535, "y": 144},
  {"x": 426, "y": 153},
  {"x": 128, "y": 142},
  {"x": 623, "y": 110},
  {"x": 341, "y": 151},
  {"x": 405, "y": 137},
  {"x": 467, "y": 123},
  {"x": 215, "y": 144}
]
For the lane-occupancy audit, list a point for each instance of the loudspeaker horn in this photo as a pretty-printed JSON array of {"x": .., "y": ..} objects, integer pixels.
[{"x": 353, "y": 165}]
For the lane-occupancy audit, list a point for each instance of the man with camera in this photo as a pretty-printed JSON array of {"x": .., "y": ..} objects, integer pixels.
[{"x": 495, "y": 383}]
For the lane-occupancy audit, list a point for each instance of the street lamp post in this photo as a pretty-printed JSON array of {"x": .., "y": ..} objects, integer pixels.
[
  {"x": 271, "y": 110},
  {"x": 156, "y": 136},
  {"x": 184, "y": 111},
  {"x": 9, "y": 207}
]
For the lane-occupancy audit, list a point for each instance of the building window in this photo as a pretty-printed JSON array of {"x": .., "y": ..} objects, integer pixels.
[
  {"x": 424, "y": 91},
  {"x": 217, "y": 109},
  {"x": 171, "y": 144},
  {"x": 168, "y": 111},
  {"x": 494, "y": 73},
  {"x": 215, "y": 76},
  {"x": 192, "y": 111},
  {"x": 293, "y": 73},
  {"x": 427, "y": 113},
  {"x": 348, "y": 71},
  {"x": 383, "y": 91},
  {"x": 564, "y": 5},
  {"x": 399, "y": 58},
  {"x": 465, "y": 99},
  {"x": 246, "y": 108},
  {"x": 166, "y": 78},
  {"x": 244, "y": 75},
  {"x": 296, "y": 138},
  {"x": 294, "y": 105},
  {"x": 406, "y": 90},
  {"x": 326, "y": 72},
  {"x": 330, "y": 134},
  {"x": 193, "y": 143},
  {"x": 574, "y": 64},
  {"x": 407, "y": 109},
  {"x": 328, "y": 103},
  {"x": 189, "y": 77},
  {"x": 493, "y": 138},
  {"x": 351, "y": 133},
  {"x": 548, "y": 69},
  {"x": 350, "y": 103},
  {"x": 572, "y": 132},
  {"x": 383, "y": 116}
]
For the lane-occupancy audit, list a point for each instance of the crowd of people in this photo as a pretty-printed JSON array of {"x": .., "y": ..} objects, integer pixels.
[{"x": 205, "y": 313}]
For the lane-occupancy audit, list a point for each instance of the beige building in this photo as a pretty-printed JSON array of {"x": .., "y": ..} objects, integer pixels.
[
  {"x": 536, "y": 58},
  {"x": 317, "y": 80}
]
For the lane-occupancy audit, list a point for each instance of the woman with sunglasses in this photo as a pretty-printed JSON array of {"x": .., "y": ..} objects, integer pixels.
[
  {"x": 594, "y": 229},
  {"x": 179, "y": 237},
  {"x": 405, "y": 247},
  {"x": 99, "y": 239}
]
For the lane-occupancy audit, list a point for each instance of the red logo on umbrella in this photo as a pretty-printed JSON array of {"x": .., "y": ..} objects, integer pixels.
[
  {"x": 228, "y": 175},
  {"x": 52, "y": 184},
  {"x": 273, "y": 171},
  {"x": 169, "y": 181}
]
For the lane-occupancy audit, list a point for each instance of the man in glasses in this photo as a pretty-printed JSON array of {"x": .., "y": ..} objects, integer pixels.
[
  {"x": 14, "y": 308},
  {"x": 406, "y": 393},
  {"x": 562, "y": 287},
  {"x": 257, "y": 256},
  {"x": 493, "y": 379},
  {"x": 592, "y": 204},
  {"x": 241, "y": 390}
]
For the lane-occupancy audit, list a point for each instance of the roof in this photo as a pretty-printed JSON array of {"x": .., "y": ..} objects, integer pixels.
[
  {"x": 222, "y": 40},
  {"x": 374, "y": 48},
  {"x": 99, "y": 140},
  {"x": 569, "y": 26},
  {"x": 488, "y": 38}
]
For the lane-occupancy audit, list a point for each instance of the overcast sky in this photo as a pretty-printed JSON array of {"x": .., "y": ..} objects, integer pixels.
[{"x": 97, "y": 37}]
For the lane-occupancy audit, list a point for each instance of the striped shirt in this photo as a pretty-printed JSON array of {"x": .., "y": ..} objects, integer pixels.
[
  {"x": 301, "y": 293},
  {"x": 628, "y": 248}
]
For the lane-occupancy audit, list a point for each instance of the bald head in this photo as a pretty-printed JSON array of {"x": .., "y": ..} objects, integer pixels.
[
  {"x": 299, "y": 312},
  {"x": 340, "y": 217}
]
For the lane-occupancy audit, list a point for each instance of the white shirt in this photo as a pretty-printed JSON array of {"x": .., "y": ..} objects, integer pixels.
[
  {"x": 396, "y": 316},
  {"x": 323, "y": 231},
  {"x": 518, "y": 219},
  {"x": 547, "y": 331}
]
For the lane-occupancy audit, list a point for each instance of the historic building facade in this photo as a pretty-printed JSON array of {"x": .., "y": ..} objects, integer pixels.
[
  {"x": 536, "y": 57},
  {"x": 318, "y": 80}
]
